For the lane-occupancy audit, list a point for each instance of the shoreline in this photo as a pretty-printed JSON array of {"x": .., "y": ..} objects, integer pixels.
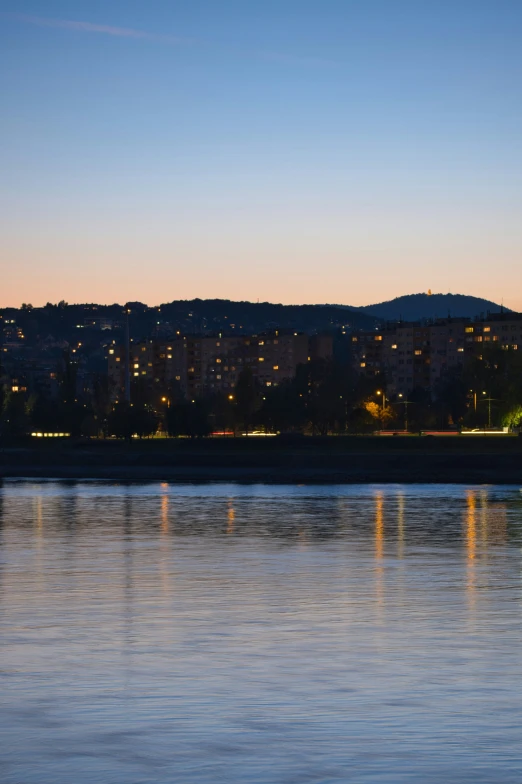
[{"x": 308, "y": 462}]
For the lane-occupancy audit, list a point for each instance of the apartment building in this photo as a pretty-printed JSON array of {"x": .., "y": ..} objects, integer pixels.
[
  {"x": 203, "y": 365},
  {"x": 419, "y": 355}
]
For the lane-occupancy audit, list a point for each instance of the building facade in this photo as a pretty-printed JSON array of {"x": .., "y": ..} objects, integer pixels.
[
  {"x": 205, "y": 365},
  {"x": 413, "y": 355}
]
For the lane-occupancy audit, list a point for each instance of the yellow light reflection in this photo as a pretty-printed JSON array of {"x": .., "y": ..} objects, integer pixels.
[
  {"x": 379, "y": 526},
  {"x": 165, "y": 513},
  {"x": 471, "y": 545},
  {"x": 379, "y": 550},
  {"x": 471, "y": 524},
  {"x": 400, "y": 525},
  {"x": 231, "y": 517}
]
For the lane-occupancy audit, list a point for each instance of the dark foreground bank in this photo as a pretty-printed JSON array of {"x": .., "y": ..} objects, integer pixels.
[{"x": 341, "y": 460}]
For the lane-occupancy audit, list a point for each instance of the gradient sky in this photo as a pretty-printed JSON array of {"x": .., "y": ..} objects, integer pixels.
[{"x": 343, "y": 151}]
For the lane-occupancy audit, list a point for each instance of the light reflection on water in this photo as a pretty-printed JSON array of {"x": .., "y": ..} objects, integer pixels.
[{"x": 165, "y": 633}]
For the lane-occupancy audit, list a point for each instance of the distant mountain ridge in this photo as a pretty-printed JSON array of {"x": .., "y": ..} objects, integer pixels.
[{"x": 415, "y": 307}]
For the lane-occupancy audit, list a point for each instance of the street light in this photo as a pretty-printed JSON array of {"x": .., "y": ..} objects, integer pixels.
[{"x": 405, "y": 403}]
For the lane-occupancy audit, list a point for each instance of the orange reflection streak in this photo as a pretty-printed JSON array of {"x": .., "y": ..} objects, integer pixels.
[
  {"x": 484, "y": 519},
  {"x": 379, "y": 526},
  {"x": 471, "y": 544},
  {"x": 231, "y": 516},
  {"x": 165, "y": 513},
  {"x": 400, "y": 525},
  {"x": 471, "y": 532},
  {"x": 379, "y": 549}
]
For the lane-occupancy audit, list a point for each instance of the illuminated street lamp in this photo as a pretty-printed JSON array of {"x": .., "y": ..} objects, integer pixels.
[{"x": 405, "y": 403}]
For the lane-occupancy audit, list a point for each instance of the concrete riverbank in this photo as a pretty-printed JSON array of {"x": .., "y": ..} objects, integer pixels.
[{"x": 457, "y": 459}]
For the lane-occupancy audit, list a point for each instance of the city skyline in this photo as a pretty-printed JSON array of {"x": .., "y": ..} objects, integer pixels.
[{"x": 287, "y": 152}]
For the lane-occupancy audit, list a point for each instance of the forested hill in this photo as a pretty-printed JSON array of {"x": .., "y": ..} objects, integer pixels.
[
  {"x": 414, "y": 307},
  {"x": 62, "y": 321}
]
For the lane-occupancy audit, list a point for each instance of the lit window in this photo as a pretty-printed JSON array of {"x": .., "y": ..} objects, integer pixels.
[
  {"x": 118, "y": 359},
  {"x": 378, "y": 337},
  {"x": 460, "y": 349},
  {"x": 136, "y": 373},
  {"x": 394, "y": 346},
  {"x": 468, "y": 329},
  {"x": 218, "y": 360},
  {"x": 487, "y": 329},
  {"x": 261, "y": 343},
  {"x": 169, "y": 356},
  {"x": 261, "y": 359},
  {"x": 14, "y": 389},
  {"x": 111, "y": 351},
  {"x": 276, "y": 367},
  {"x": 178, "y": 378},
  {"x": 418, "y": 352},
  {"x": 363, "y": 364}
]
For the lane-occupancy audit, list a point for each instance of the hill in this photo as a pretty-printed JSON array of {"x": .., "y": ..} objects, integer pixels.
[
  {"x": 415, "y": 307},
  {"x": 63, "y": 321}
]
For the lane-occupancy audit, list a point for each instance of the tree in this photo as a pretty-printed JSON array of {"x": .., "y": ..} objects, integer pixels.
[
  {"x": 513, "y": 417},
  {"x": 188, "y": 419},
  {"x": 247, "y": 397},
  {"x": 381, "y": 414}
]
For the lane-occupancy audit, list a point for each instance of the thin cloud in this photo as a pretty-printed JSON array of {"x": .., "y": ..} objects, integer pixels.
[
  {"x": 89, "y": 27},
  {"x": 172, "y": 40}
]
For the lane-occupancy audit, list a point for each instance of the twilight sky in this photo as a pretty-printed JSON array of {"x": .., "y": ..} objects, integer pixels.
[{"x": 343, "y": 151}]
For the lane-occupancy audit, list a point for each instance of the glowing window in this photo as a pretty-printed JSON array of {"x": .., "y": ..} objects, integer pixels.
[
  {"x": 487, "y": 329},
  {"x": 468, "y": 329},
  {"x": 276, "y": 367}
]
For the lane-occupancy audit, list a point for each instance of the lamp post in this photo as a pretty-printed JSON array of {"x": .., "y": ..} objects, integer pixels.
[
  {"x": 405, "y": 403},
  {"x": 379, "y": 393}
]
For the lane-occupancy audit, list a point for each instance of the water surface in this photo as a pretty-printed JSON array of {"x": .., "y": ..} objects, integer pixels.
[{"x": 170, "y": 633}]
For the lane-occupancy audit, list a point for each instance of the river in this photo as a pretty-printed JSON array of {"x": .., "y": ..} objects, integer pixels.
[{"x": 251, "y": 633}]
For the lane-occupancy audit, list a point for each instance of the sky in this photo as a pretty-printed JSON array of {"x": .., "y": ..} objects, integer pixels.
[{"x": 296, "y": 151}]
